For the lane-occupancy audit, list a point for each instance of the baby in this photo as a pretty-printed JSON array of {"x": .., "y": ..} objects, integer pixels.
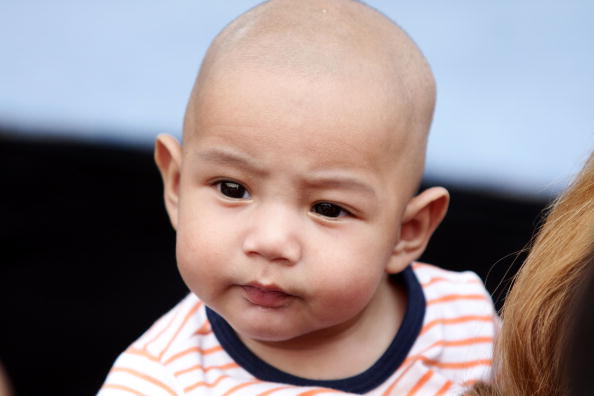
[{"x": 294, "y": 197}]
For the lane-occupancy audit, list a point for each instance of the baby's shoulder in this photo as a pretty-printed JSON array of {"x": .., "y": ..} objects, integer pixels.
[
  {"x": 171, "y": 332},
  {"x": 151, "y": 365},
  {"x": 437, "y": 282},
  {"x": 454, "y": 297},
  {"x": 459, "y": 327}
]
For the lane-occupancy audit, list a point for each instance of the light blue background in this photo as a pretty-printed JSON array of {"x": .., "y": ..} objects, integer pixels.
[{"x": 515, "y": 107}]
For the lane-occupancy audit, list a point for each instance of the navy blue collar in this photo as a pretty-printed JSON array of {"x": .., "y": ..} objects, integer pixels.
[{"x": 361, "y": 383}]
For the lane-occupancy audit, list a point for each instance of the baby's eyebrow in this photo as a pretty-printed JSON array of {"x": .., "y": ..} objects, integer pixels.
[
  {"x": 317, "y": 180},
  {"x": 340, "y": 181},
  {"x": 230, "y": 158}
]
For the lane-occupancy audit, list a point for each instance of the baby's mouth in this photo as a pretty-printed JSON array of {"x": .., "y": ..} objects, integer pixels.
[{"x": 265, "y": 296}]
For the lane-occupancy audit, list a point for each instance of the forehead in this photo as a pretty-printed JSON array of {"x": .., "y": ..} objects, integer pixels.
[{"x": 304, "y": 113}]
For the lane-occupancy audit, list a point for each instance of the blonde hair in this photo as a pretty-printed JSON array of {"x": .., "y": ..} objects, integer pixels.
[{"x": 530, "y": 352}]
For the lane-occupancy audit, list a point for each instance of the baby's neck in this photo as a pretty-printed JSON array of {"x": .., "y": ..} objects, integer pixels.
[{"x": 343, "y": 351}]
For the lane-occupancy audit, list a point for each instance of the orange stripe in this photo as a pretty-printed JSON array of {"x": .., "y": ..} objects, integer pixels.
[
  {"x": 318, "y": 391},
  {"x": 418, "y": 264},
  {"x": 204, "y": 329},
  {"x": 205, "y": 369},
  {"x": 124, "y": 388},
  {"x": 454, "y": 343},
  {"x": 453, "y": 297},
  {"x": 270, "y": 391},
  {"x": 466, "y": 341},
  {"x": 469, "y": 382},
  {"x": 145, "y": 377},
  {"x": 460, "y": 319},
  {"x": 422, "y": 381},
  {"x": 462, "y": 342},
  {"x": 180, "y": 327},
  {"x": 396, "y": 381},
  {"x": 444, "y": 388},
  {"x": 240, "y": 386},
  {"x": 455, "y": 365},
  {"x": 202, "y": 383},
  {"x": 442, "y": 279},
  {"x": 432, "y": 281},
  {"x": 191, "y": 350},
  {"x": 143, "y": 353}
]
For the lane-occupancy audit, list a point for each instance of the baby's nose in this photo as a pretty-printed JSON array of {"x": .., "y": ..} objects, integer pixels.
[{"x": 274, "y": 235}]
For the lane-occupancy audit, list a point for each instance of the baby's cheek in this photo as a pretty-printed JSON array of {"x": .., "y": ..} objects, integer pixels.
[
  {"x": 195, "y": 261},
  {"x": 347, "y": 294}
]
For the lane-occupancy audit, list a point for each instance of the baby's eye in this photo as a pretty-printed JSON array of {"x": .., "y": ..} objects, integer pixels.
[
  {"x": 232, "y": 189},
  {"x": 328, "y": 209}
]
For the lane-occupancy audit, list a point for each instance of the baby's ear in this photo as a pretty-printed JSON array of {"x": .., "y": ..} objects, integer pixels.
[
  {"x": 421, "y": 217},
  {"x": 168, "y": 159}
]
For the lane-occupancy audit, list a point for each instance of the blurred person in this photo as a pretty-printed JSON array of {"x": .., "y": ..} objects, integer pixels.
[{"x": 545, "y": 343}]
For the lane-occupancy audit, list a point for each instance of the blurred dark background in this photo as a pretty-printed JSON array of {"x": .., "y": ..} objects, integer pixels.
[{"x": 88, "y": 256}]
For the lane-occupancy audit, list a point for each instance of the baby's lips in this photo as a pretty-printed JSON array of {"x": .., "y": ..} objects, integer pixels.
[{"x": 265, "y": 296}]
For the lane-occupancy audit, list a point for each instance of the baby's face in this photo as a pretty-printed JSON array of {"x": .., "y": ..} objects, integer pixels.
[{"x": 290, "y": 202}]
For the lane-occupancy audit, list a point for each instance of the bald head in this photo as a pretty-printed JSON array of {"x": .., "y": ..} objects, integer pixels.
[{"x": 340, "y": 40}]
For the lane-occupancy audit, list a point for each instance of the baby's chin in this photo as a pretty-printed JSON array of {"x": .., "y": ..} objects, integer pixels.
[
  {"x": 265, "y": 336},
  {"x": 267, "y": 331}
]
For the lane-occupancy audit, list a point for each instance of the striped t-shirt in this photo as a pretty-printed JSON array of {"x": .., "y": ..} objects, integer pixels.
[{"x": 444, "y": 344}]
